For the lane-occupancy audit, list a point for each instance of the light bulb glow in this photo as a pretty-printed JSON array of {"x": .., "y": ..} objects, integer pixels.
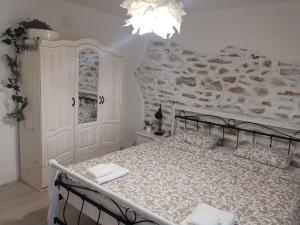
[{"x": 161, "y": 17}]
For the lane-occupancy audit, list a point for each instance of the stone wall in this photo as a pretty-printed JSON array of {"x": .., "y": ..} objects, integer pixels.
[{"x": 234, "y": 80}]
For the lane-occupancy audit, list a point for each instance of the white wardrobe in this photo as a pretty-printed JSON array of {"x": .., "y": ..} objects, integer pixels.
[{"x": 74, "y": 96}]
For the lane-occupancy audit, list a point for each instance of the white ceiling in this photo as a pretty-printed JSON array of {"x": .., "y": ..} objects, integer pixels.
[{"x": 191, "y": 6}]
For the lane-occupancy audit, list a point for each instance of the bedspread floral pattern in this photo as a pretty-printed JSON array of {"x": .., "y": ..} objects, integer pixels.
[{"x": 171, "y": 180}]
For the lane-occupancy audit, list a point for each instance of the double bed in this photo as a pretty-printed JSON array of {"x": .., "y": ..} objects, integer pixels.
[{"x": 168, "y": 178}]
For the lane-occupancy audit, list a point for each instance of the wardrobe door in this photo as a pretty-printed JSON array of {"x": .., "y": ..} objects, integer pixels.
[
  {"x": 57, "y": 85},
  {"x": 112, "y": 69},
  {"x": 87, "y": 110}
]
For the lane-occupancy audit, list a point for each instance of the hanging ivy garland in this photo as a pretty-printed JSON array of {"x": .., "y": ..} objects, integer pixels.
[{"x": 14, "y": 36}]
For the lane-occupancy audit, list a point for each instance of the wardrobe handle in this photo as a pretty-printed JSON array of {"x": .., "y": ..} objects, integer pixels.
[
  {"x": 100, "y": 100},
  {"x": 103, "y": 99},
  {"x": 73, "y": 99}
]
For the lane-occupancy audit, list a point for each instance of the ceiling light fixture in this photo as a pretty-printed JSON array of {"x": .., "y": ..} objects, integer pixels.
[{"x": 161, "y": 17}]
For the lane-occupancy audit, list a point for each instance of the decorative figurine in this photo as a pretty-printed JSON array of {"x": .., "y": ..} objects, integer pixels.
[
  {"x": 148, "y": 126},
  {"x": 159, "y": 116}
]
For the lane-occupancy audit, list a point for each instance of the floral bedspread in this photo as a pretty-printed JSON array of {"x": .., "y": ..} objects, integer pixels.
[{"x": 171, "y": 178}]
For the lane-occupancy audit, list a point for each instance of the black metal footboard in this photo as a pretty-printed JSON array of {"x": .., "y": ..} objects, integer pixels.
[{"x": 126, "y": 217}]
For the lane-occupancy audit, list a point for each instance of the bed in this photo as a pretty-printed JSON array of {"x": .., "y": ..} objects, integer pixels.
[{"x": 168, "y": 178}]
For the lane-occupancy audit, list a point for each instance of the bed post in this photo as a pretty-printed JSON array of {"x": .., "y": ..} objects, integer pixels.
[
  {"x": 174, "y": 122},
  {"x": 53, "y": 195}
]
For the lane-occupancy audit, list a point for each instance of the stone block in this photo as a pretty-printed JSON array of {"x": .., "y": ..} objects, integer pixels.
[
  {"x": 189, "y": 81},
  {"x": 219, "y": 61},
  {"x": 229, "y": 79},
  {"x": 238, "y": 90}
]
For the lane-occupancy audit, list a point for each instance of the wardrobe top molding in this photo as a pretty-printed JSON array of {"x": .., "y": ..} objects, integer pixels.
[{"x": 85, "y": 41}]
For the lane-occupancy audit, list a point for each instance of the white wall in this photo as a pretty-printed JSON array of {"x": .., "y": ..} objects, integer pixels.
[
  {"x": 274, "y": 29},
  {"x": 73, "y": 22}
]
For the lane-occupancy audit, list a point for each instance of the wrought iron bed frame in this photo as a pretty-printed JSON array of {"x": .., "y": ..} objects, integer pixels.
[
  {"x": 128, "y": 216},
  {"x": 238, "y": 126}
]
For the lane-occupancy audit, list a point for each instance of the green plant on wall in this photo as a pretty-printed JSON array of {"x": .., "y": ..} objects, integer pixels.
[
  {"x": 14, "y": 36},
  {"x": 13, "y": 83}
]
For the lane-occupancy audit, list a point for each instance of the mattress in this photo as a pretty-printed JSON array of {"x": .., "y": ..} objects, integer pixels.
[{"x": 171, "y": 178}]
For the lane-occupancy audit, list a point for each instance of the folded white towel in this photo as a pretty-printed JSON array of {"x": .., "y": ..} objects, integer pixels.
[
  {"x": 100, "y": 170},
  {"x": 118, "y": 172},
  {"x": 207, "y": 215},
  {"x": 115, "y": 172}
]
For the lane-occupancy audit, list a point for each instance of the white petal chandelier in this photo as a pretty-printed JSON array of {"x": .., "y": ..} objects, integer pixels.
[{"x": 161, "y": 17}]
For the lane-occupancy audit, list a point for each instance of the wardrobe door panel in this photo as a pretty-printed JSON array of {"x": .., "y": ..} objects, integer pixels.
[
  {"x": 111, "y": 134},
  {"x": 87, "y": 138},
  {"x": 87, "y": 111},
  {"x": 111, "y": 91},
  {"x": 67, "y": 88},
  {"x": 50, "y": 79},
  {"x": 57, "y": 65}
]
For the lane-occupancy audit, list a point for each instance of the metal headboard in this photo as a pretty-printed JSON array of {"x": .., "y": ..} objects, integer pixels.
[{"x": 215, "y": 119}]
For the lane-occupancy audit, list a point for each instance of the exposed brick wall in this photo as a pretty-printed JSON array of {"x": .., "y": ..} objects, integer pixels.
[{"x": 234, "y": 80}]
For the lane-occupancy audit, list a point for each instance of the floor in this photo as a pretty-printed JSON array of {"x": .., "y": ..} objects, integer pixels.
[{"x": 22, "y": 205}]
